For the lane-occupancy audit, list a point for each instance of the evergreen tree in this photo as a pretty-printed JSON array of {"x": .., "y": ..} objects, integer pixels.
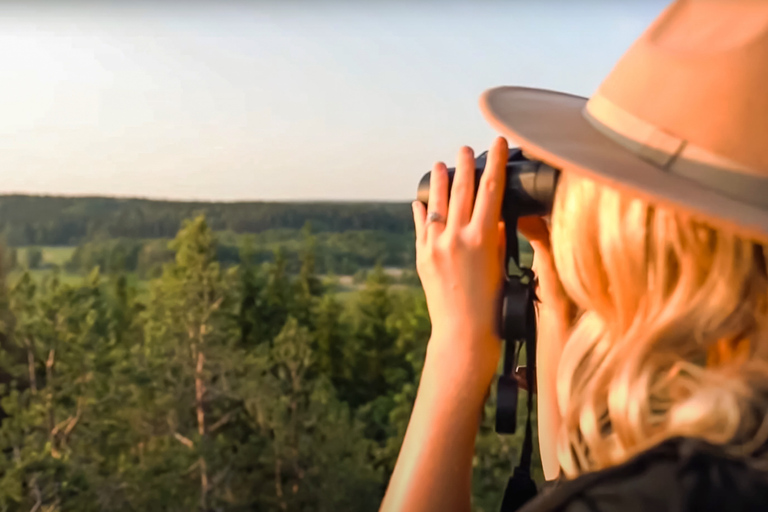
[
  {"x": 277, "y": 296},
  {"x": 56, "y": 405},
  {"x": 331, "y": 336},
  {"x": 34, "y": 258},
  {"x": 307, "y": 287},
  {"x": 193, "y": 338},
  {"x": 309, "y": 430}
]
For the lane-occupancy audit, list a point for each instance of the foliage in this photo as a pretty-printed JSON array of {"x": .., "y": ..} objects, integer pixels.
[
  {"x": 341, "y": 253},
  {"x": 227, "y": 387},
  {"x": 34, "y": 258},
  {"x": 32, "y": 220}
]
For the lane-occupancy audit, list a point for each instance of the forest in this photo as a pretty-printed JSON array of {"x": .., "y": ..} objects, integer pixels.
[
  {"x": 239, "y": 379},
  {"x": 42, "y": 220}
]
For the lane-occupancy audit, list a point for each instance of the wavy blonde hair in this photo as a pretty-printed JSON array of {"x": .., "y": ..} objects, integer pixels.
[{"x": 671, "y": 335}]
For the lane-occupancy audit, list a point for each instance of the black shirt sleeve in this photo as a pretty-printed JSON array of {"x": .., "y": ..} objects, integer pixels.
[{"x": 680, "y": 475}]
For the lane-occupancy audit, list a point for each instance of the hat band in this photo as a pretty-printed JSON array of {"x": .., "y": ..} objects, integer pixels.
[{"x": 676, "y": 155}]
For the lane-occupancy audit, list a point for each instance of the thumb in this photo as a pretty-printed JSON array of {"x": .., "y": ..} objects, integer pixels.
[{"x": 535, "y": 230}]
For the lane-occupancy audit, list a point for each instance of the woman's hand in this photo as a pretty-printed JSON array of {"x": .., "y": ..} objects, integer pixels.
[{"x": 459, "y": 260}]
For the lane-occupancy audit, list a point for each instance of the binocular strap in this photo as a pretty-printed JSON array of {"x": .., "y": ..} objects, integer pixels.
[{"x": 521, "y": 488}]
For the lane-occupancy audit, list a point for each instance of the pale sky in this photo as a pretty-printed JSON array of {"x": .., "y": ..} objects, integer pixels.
[{"x": 291, "y": 100}]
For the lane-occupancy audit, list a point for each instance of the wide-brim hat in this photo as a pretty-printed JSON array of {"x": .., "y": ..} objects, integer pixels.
[{"x": 681, "y": 121}]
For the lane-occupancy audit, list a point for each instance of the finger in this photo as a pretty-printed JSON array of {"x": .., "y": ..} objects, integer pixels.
[
  {"x": 490, "y": 193},
  {"x": 550, "y": 288},
  {"x": 463, "y": 190},
  {"x": 419, "y": 218},
  {"x": 520, "y": 377},
  {"x": 536, "y": 231},
  {"x": 438, "y": 197}
]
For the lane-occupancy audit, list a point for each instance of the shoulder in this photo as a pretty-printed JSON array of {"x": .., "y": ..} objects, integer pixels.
[{"x": 679, "y": 474}]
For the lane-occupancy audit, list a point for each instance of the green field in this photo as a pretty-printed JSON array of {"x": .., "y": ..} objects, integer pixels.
[
  {"x": 58, "y": 256},
  {"x": 39, "y": 275},
  {"x": 52, "y": 255}
]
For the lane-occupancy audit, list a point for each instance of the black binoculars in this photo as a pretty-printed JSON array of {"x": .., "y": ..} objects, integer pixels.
[
  {"x": 530, "y": 191},
  {"x": 530, "y": 185}
]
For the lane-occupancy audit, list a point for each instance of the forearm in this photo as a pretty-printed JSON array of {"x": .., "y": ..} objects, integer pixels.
[
  {"x": 548, "y": 412},
  {"x": 434, "y": 468},
  {"x": 548, "y": 424}
]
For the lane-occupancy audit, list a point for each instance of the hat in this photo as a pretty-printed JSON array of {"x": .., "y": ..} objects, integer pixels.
[{"x": 681, "y": 120}]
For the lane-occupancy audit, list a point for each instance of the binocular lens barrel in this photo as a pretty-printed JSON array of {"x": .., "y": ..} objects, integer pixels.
[{"x": 530, "y": 188}]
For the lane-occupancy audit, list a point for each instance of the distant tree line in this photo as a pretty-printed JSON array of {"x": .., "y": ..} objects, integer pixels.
[{"x": 32, "y": 220}]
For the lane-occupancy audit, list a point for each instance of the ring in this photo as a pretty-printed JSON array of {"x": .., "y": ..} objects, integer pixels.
[{"x": 434, "y": 217}]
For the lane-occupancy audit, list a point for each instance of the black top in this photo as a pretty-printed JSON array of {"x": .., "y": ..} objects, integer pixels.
[{"x": 679, "y": 475}]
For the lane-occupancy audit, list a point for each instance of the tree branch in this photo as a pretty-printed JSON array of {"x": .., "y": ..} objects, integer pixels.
[
  {"x": 38, "y": 495},
  {"x": 70, "y": 422},
  {"x": 73, "y": 422},
  {"x": 192, "y": 468},
  {"x": 184, "y": 440},
  {"x": 49, "y": 401},
  {"x": 222, "y": 421},
  {"x": 31, "y": 365}
]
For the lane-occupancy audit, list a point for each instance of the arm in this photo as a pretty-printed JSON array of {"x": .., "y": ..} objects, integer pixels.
[
  {"x": 459, "y": 259},
  {"x": 434, "y": 469},
  {"x": 555, "y": 316},
  {"x": 548, "y": 415}
]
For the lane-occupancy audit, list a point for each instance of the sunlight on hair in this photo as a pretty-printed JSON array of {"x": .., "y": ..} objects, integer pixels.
[{"x": 671, "y": 338}]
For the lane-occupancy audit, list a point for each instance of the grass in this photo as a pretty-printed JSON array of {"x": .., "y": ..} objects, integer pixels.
[
  {"x": 38, "y": 275},
  {"x": 59, "y": 256},
  {"x": 52, "y": 255}
]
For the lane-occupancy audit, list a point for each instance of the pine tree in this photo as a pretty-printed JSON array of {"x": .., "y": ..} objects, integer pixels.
[
  {"x": 251, "y": 284},
  {"x": 373, "y": 351},
  {"x": 331, "y": 337},
  {"x": 60, "y": 401},
  {"x": 190, "y": 328},
  {"x": 307, "y": 287},
  {"x": 309, "y": 430},
  {"x": 276, "y": 301}
]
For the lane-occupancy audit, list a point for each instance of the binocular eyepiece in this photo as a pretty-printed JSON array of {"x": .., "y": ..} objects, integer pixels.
[{"x": 530, "y": 188}]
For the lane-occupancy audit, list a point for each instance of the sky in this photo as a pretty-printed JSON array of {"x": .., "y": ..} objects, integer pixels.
[{"x": 277, "y": 101}]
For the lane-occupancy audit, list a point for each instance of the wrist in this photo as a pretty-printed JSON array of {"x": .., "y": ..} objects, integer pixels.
[{"x": 471, "y": 371}]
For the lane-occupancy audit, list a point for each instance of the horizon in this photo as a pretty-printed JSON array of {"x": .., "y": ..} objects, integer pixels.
[
  {"x": 405, "y": 202},
  {"x": 269, "y": 102}
]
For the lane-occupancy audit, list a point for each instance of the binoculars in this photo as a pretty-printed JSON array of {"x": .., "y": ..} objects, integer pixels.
[
  {"x": 530, "y": 191},
  {"x": 530, "y": 185}
]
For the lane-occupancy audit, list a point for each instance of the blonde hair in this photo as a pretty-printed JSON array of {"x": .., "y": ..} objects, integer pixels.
[{"x": 671, "y": 335}]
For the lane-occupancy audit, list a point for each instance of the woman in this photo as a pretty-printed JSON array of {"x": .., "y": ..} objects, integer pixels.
[{"x": 652, "y": 361}]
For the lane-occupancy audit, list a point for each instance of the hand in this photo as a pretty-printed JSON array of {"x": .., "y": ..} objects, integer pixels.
[
  {"x": 459, "y": 261},
  {"x": 555, "y": 317},
  {"x": 555, "y": 310}
]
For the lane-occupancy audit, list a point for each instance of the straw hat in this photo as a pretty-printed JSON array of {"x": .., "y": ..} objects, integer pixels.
[{"x": 682, "y": 120}]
